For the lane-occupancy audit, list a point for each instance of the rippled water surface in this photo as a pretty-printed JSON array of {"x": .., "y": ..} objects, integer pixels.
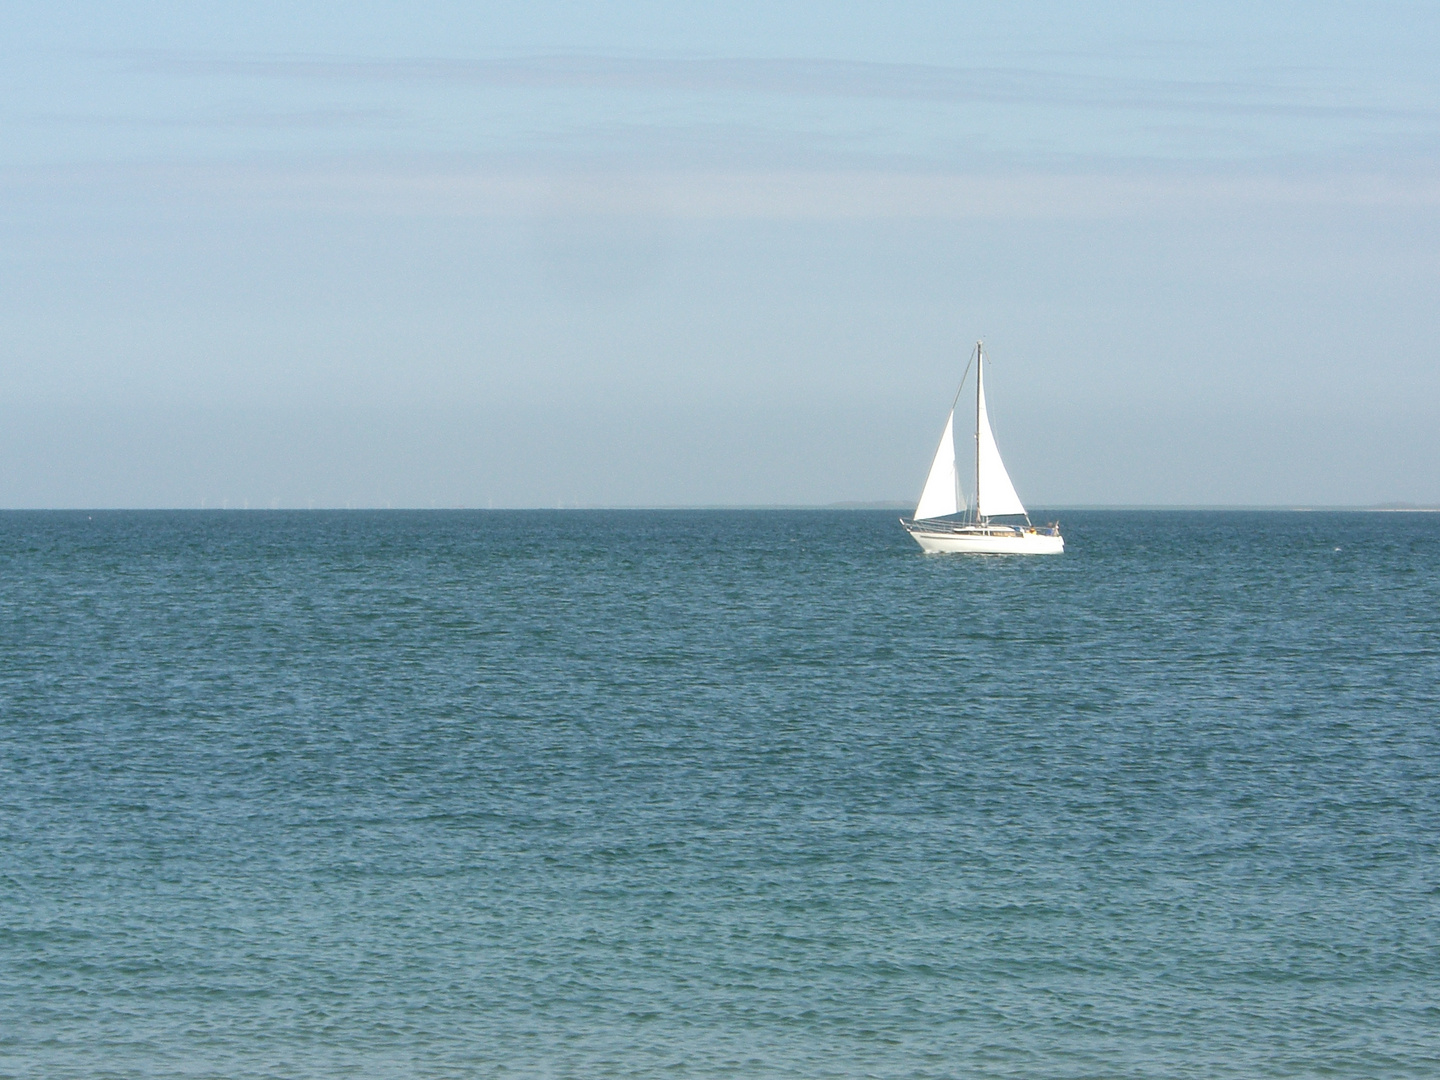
[{"x": 717, "y": 794}]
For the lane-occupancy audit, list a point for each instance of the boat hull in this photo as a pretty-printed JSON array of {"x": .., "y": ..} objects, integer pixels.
[{"x": 986, "y": 542}]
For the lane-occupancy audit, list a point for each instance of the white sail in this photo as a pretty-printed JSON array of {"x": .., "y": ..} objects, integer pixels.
[
  {"x": 995, "y": 494},
  {"x": 941, "y": 494}
]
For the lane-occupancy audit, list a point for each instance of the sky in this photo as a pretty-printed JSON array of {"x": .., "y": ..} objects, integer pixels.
[{"x": 560, "y": 254}]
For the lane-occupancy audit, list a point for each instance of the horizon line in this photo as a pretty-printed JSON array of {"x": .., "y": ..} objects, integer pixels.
[{"x": 874, "y": 506}]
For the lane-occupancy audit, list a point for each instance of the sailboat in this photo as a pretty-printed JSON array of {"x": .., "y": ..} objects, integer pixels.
[{"x": 944, "y": 521}]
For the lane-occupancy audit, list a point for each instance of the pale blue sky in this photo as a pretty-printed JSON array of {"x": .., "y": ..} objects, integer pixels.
[{"x": 362, "y": 254}]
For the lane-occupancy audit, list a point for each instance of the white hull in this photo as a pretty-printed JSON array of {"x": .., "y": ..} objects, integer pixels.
[{"x": 987, "y": 541}]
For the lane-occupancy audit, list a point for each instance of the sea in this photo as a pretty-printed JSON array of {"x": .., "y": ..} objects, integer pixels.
[{"x": 717, "y": 794}]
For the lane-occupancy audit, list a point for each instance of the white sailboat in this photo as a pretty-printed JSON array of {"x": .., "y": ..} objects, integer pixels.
[{"x": 945, "y": 522}]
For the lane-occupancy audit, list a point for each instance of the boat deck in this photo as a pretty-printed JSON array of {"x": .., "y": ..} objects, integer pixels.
[{"x": 966, "y": 528}]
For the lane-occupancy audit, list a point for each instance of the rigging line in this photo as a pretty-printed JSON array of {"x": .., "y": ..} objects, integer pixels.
[
  {"x": 954, "y": 404},
  {"x": 956, "y": 400}
]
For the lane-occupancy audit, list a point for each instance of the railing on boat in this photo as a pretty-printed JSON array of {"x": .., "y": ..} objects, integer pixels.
[{"x": 972, "y": 529}]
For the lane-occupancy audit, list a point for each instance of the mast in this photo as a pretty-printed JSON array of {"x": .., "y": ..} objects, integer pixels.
[{"x": 979, "y": 381}]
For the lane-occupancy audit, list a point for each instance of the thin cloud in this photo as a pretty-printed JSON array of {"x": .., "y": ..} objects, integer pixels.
[
  {"x": 277, "y": 119},
  {"x": 704, "y": 195},
  {"x": 797, "y": 77}
]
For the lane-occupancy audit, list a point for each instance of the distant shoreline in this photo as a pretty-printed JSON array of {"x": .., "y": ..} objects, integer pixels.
[
  {"x": 1279, "y": 509},
  {"x": 891, "y": 507}
]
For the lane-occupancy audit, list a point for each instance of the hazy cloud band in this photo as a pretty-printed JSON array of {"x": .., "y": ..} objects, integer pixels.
[{"x": 799, "y": 77}]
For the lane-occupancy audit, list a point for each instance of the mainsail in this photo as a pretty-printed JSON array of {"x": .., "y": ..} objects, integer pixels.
[
  {"x": 995, "y": 494},
  {"x": 941, "y": 494}
]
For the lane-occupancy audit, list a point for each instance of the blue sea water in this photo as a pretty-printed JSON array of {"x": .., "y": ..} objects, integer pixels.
[{"x": 717, "y": 794}]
